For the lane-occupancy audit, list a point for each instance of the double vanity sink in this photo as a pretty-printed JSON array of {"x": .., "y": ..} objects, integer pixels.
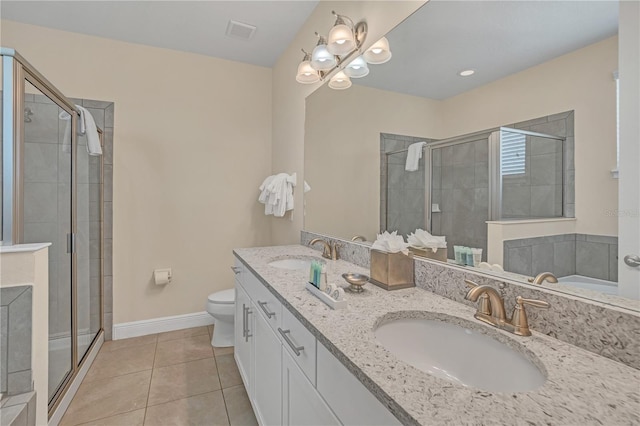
[
  {"x": 462, "y": 354},
  {"x": 427, "y": 359}
]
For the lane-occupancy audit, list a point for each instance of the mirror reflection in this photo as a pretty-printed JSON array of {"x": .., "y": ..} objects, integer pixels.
[{"x": 516, "y": 159}]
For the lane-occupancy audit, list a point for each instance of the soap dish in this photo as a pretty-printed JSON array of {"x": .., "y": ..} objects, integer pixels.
[{"x": 356, "y": 281}]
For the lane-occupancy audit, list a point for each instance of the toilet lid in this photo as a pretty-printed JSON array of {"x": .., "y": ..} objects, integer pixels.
[{"x": 223, "y": 297}]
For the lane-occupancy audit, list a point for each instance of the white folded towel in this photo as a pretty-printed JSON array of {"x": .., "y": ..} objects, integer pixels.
[
  {"x": 277, "y": 194},
  {"x": 414, "y": 154},
  {"x": 87, "y": 126}
]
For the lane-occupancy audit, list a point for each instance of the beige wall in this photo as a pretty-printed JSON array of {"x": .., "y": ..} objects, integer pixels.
[
  {"x": 192, "y": 142},
  {"x": 342, "y": 153},
  {"x": 289, "y": 95},
  {"x": 580, "y": 81}
]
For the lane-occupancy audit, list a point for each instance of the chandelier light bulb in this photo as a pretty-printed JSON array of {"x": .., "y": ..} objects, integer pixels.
[{"x": 379, "y": 53}]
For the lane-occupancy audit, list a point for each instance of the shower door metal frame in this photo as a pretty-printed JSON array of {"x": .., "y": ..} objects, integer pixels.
[
  {"x": 456, "y": 140},
  {"x": 495, "y": 175},
  {"x": 17, "y": 71}
]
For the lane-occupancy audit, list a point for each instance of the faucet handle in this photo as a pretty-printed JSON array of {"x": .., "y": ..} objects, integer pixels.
[
  {"x": 532, "y": 302},
  {"x": 470, "y": 283},
  {"x": 519, "y": 318}
]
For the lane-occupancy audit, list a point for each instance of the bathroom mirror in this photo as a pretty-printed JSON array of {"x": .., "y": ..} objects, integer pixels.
[{"x": 519, "y": 157}]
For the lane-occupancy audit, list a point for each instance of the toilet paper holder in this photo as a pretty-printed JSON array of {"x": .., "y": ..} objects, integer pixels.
[{"x": 162, "y": 276}]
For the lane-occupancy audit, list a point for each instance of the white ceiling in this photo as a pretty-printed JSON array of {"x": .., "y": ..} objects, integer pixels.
[
  {"x": 495, "y": 38},
  {"x": 190, "y": 26}
]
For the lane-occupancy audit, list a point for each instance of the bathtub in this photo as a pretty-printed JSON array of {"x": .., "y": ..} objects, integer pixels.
[{"x": 603, "y": 286}]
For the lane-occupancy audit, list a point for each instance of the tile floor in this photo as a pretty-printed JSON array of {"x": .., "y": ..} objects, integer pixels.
[{"x": 173, "y": 378}]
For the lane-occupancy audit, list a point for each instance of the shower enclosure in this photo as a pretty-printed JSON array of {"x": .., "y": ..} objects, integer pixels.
[
  {"x": 463, "y": 182},
  {"x": 52, "y": 192}
]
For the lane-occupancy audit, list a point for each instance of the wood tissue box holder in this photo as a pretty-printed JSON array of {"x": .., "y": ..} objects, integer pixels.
[{"x": 392, "y": 271}]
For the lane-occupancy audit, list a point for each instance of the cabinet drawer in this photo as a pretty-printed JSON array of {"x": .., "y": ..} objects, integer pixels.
[
  {"x": 296, "y": 335},
  {"x": 266, "y": 304},
  {"x": 347, "y": 397}
]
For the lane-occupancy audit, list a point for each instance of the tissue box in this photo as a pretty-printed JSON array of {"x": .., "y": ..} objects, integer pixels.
[
  {"x": 440, "y": 254},
  {"x": 392, "y": 271}
]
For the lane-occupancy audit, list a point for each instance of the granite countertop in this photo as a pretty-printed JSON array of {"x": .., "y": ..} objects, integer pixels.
[{"x": 581, "y": 387}]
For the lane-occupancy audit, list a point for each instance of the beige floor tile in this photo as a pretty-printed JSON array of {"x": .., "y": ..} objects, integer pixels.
[
  {"x": 99, "y": 399},
  {"x": 181, "y": 334},
  {"x": 114, "y": 345},
  {"x": 183, "y": 350},
  {"x": 210, "y": 328},
  {"x": 122, "y": 361},
  {"x": 183, "y": 380},
  {"x": 222, "y": 351},
  {"x": 207, "y": 409},
  {"x": 238, "y": 406},
  {"x": 132, "y": 418},
  {"x": 228, "y": 371}
]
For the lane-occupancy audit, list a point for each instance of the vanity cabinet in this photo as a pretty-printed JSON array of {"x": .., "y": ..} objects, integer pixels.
[{"x": 290, "y": 378}]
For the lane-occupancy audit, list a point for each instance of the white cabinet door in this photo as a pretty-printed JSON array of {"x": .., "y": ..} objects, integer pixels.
[
  {"x": 301, "y": 404},
  {"x": 242, "y": 329},
  {"x": 267, "y": 377},
  {"x": 347, "y": 397}
]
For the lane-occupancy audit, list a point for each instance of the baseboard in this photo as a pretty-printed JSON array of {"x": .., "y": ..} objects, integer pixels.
[{"x": 159, "y": 325}]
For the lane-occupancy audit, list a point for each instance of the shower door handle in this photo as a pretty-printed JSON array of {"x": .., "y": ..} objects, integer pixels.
[{"x": 71, "y": 243}]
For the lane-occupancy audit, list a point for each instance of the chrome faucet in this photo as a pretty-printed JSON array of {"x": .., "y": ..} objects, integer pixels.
[
  {"x": 540, "y": 278},
  {"x": 491, "y": 309},
  {"x": 330, "y": 250}
]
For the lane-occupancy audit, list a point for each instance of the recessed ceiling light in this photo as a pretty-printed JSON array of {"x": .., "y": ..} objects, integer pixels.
[{"x": 466, "y": 73}]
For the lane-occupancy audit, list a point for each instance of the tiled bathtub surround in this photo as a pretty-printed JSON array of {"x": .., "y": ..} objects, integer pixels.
[
  {"x": 15, "y": 339},
  {"x": 592, "y": 256},
  {"x": 19, "y": 410},
  {"x": 597, "y": 327}
]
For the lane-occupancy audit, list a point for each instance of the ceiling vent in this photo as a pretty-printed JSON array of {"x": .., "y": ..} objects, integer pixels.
[{"x": 239, "y": 30}]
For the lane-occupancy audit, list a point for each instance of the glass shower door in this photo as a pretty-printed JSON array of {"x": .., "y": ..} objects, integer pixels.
[
  {"x": 88, "y": 246},
  {"x": 47, "y": 217}
]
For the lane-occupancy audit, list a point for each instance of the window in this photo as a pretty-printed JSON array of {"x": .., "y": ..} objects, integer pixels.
[{"x": 512, "y": 153}]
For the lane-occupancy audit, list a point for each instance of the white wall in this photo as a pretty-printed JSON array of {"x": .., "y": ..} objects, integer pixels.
[
  {"x": 192, "y": 141},
  {"x": 289, "y": 95}
]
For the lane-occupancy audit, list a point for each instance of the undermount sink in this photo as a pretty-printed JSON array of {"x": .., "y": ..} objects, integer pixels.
[
  {"x": 459, "y": 354},
  {"x": 293, "y": 264}
]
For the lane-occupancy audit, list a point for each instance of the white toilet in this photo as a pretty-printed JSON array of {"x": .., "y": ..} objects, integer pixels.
[{"x": 221, "y": 305}]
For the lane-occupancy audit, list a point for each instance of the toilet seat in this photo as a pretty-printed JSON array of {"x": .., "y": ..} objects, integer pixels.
[{"x": 224, "y": 297}]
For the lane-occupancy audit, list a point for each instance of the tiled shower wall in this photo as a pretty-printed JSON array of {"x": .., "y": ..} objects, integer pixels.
[
  {"x": 103, "y": 112},
  {"x": 460, "y": 186},
  {"x": 594, "y": 256},
  {"x": 402, "y": 193},
  {"x": 15, "y": 339}
]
